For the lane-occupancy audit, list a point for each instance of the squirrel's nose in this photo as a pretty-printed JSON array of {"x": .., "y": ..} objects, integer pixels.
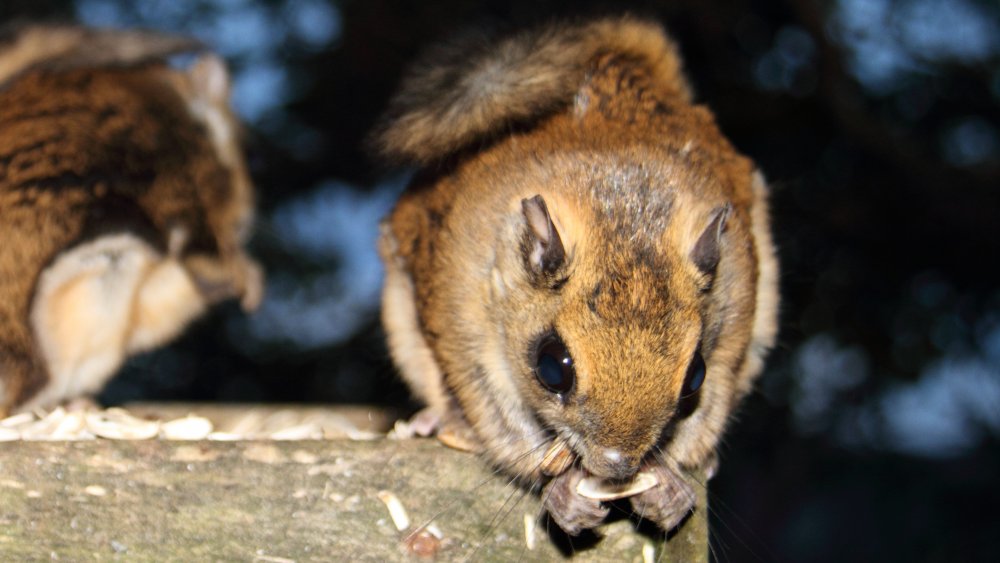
[{"x": 611, "y": 463}]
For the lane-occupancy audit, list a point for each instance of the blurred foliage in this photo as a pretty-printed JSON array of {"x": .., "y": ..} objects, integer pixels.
[{"x": 879, "y": 133}]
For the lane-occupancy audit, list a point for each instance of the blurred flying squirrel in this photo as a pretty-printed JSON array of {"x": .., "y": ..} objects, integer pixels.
[
  {"x": 580, "y": 279},
  {"x": 125, "y": 204}
]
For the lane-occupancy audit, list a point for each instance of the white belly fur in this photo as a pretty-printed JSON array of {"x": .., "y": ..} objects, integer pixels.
[{"x": 99, "y": 301}]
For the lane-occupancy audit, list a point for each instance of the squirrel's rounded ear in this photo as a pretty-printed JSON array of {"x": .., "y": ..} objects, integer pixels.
[
  {"x": 544, "y": 252},
  {"x": 705, "y": 253}
]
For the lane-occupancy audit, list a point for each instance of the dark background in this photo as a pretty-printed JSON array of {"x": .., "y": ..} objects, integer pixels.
[{"x": 873, "y": 434}]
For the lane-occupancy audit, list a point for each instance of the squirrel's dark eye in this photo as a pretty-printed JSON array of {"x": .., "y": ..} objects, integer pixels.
[
  {"x": 695, "y": 375},
  {"x": 554, "y": 366}
]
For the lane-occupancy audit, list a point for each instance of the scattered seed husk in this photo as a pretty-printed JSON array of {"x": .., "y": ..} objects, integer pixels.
[
  {"x": 17, "y": 420},
  {"x": 79, "y": 422},
  {"x": 118, "y": 424},
  {"x": 557, "y": 459},
  {"x": 401, "y": 430},
  {"x": 95, "y": 490},
  {"x": 460, "y": 441},
  {"x": 56, "y": 425},
  {"x": 69, "y": 426},
  {"x": 648, "y": 552},
  {"x": 529, "y": 531},
  {"x": 308, "y": 431},
  {"x": 396, "y": 511},
  {"x": 598, "y": 489},
  {"x": 357, "y": 435},
  {"x": 188, "y": 428},
  {"x": 434, "y": 530}
]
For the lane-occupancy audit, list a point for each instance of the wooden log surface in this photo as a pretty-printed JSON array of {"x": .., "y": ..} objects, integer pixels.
[{"x": 313, "y": 500}]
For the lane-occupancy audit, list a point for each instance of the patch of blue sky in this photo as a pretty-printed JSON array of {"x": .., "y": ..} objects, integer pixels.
[
  {"x": 781, "y": 66},
  {"x": 949, "y": 29},
  {"x": 249, "y": 31},
  {"x": 947, "y": 411},
  {"x": 313, "y": 22},
  {"x": 256, "y": 88},
  {"x": 970, "y": 141},
  {"x": 951, "y": 408},
  {"x": 337, "y": 225},
  {"x": 823, "y": 370},
  {"x": 249, "y": 34},
  {"x": 887, "y": 39}
]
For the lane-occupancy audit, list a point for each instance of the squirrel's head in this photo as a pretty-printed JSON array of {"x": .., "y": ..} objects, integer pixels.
[{"x": 605, "y": 314}]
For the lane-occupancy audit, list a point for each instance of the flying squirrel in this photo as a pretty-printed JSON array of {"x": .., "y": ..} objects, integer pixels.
[
  {"x": 125, "y": 204},
  {"x": 580, "y": 279}
]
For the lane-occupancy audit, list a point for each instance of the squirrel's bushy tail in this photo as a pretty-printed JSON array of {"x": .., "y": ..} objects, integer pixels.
[{"x": 464, "y": 93}]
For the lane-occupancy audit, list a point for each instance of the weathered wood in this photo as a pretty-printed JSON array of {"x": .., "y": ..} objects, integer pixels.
[{"x": 276, "y": 501}]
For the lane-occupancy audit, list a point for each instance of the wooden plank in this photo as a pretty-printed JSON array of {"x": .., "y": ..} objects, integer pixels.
[{"x": 279, "y": 501}]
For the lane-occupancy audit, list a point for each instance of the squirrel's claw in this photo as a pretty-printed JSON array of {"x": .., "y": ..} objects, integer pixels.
[
  {"x": 571, "y": 511},
  {"x": 668, "y": 503}
]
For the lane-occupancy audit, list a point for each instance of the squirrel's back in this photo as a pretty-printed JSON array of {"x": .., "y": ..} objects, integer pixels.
[{"x": 124, "y": 203}]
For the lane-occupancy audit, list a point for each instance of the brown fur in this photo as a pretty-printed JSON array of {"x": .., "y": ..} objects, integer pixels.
[
  {"x": 633, "y": 176},
  {"x": 466, "y": 93},
  {"x": 113, "y": 186},
  {"x": 65, "y": 47}
]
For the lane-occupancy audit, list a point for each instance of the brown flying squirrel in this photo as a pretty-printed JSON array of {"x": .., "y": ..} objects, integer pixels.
[
  {"x": 124, "y": 204},
  {"x": 581, "y": 269}
]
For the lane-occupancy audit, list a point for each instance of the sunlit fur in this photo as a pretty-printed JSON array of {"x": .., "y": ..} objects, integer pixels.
[{"x": 124, "y": 204}]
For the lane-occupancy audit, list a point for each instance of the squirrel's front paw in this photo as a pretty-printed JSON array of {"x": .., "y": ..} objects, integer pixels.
[
  {"x": 572, "y": 512},
  {"x": 668, "y": 502}
]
